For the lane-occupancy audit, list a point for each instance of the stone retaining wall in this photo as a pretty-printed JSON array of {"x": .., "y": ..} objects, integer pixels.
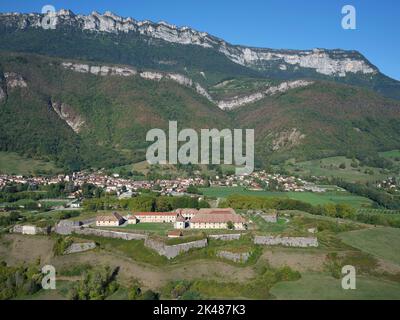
[
  {"x": 236, "y": 257},
  {"x": 173, "y": 250},
  {"x": 80, "y": 247},
  {"x": 29, "y": 229},
  {"x": 301, "y": 242},
  {"x": 66, "y": 227},
  {"x": 225, "y": 237},
  {"x": 270, "y": 218},
  {"x": 110, "y": 234}
]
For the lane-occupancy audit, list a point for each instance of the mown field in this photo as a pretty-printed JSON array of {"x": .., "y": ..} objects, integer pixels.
[
  {"x": 381, "y": 242},
  {"x": 330, "y": 197}
]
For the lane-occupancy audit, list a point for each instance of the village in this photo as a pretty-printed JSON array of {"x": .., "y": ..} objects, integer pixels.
[{"x": 126, "y": 188}]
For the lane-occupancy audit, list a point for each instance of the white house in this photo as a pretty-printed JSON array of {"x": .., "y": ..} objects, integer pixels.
[
  {"x": 113, "y": 220},
  {"x": 156, "y": 217},
  {"x": 180, "y": 222}
]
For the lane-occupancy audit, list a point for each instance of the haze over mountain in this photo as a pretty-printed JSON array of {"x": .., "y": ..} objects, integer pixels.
[{"x": 85, "y": 92}]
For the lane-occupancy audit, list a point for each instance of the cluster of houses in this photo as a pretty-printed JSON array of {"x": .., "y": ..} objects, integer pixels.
[
  {"x": 391, "y": 183},
  {"x": 181, "y": 218},
  {"x": 126, "y": 188},
  {"x": 260, "y": 180}
]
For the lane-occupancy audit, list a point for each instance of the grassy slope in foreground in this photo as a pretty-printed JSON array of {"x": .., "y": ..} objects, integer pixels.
[
  {"x": 324, "y": 287},
  {"x": 381, "y": 242}
]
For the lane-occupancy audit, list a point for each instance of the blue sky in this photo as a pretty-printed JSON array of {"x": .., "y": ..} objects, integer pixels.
[{"x": 294, "y": 24}]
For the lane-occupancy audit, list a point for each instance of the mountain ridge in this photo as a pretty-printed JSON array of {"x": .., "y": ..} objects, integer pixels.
[
  {"x": 345, "y": 66},
  {"x": 241, "y": 54}
]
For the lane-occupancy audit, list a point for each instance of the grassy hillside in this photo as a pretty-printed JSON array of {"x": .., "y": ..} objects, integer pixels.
[
  {"x": 322, "y": 120},
  {"x": 12, "y": 163},
  {"x": 380, "y": 242},
  {"x": 308, "y": 197},
  {"x": 333, "y": 167},
  {"x": 132, "y": 49},
  {"x": 117, "y": 112}
]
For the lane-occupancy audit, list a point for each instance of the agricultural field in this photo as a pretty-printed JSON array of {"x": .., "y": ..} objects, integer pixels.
[
  {"x": 330, "y": 197},
  {"x": 237, "y": 87},
  {"x": 330, "y": 167},
  {"x": 143, "y": 168},
  {"x": 393, "y": 155},
  {"x": 381, "y": 242},
  {"x": 12, "y": 163}
]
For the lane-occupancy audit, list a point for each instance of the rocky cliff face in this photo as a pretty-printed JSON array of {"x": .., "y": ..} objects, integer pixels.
[
  {"x": 269, "y": 91},
  {"x": 105, "y": 70},
  {"x": 14, "y": 80},
  {"x": 10, "y": 81},
  {"x": 3, "y": 95},
  {"x": 325, "y": 62},
  {"x": 235, "y": 102},
  {"x": 65, "y": 112}
]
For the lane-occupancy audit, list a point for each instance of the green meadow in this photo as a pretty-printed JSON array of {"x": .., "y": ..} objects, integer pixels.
[
  {"x": 12, "y": 163},
  {"x": 316, "y": 286},
  {"x": 390, "y": 154},
  {"x": 381, "y": 242},
  {"x": 330, "y": 197},
  {"x": 329, "y": 167}
]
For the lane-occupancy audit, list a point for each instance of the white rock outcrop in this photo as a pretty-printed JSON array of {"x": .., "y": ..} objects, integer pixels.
[
  {"x": 244, "y": 100},
  {"x": 322, "y": 61},
  {"x": 151, "y": 75},
  {"x": 66, "y": 113},
  {"x": 287, "y": 139},
  {"x": 301, "y": 242},
  {"x": 99, "y": 70},
  {"x": 148, "y": 75},
  {"x": 2, "y": 94},
  {"x": 14, "y": 80}
]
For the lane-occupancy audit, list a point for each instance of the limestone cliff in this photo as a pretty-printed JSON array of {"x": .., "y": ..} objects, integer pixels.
[
  {"x": 326, "y": 62},
  {"x": 66, "y": 112}
]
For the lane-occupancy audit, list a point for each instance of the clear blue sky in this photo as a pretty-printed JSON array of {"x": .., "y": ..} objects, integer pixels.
[{"x": 295, "y": 24}]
